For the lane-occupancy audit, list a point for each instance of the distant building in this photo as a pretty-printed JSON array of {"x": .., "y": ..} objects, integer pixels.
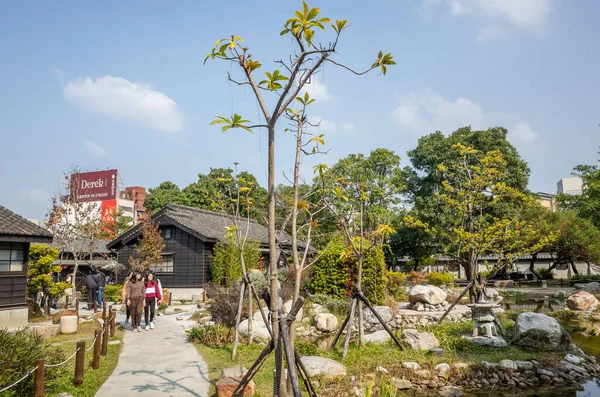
[
  {"x": 16, "y": 234},
  {"x": 573, "y": 186},
  {"x": 547, "y": 200},
  {"x": 136, "y": 194}
]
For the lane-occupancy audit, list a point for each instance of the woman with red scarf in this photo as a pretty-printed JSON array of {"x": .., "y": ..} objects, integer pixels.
[{"x": 152, "y": 299}]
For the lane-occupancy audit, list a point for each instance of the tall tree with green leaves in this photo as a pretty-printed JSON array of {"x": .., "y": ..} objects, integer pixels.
[
  {"x": 40, "y": 271},
  {"x": 165, "y": 193},
  {"x": 283, "y": 86}
]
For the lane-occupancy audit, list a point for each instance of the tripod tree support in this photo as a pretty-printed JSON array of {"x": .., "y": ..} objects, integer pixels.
[
  {"x": 239, "y": 390},
  {"x": 359, "y": 295},
  {"x": 467, "y": 289}
]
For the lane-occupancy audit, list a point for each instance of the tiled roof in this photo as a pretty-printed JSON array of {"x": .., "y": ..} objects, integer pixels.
[
  {"x": 12, "y": 224},
  {"x": 207, "y": 225}
]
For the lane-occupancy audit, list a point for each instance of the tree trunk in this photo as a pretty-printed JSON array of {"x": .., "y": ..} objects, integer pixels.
[
  {"x": 575, "y": 271},
  {"x": 279, "y": 384},
  {"x": 250, "y": 312},
  {"x": 238, "y": 317},
  {"x": 74, "y": 277},
  {"x": 416, "y": 265},
  {"x": 532, "y": 265},
  {"x": 295, "y": 200}
]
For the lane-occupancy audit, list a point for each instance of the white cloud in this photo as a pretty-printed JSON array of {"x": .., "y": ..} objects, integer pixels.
[
  {"x": 95, "y": 148},
  {"x": 527, "y": 15},
  {"x": 425, "y": 112},
  {"x": 122, "y": 99},
  {"x": 317, "y": 90},
  {"x": 491, "y": 32}
]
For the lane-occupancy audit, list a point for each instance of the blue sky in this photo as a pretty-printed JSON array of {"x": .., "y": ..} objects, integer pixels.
[{"x": 122, "y": 85}]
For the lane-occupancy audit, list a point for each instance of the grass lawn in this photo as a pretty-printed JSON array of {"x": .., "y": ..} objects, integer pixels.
[
  {"x": 362, "y": 361},
  {"x": 93, "y": 379}
]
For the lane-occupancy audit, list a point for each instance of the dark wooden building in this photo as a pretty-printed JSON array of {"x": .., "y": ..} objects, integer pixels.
[
  {"x": 16, "y": 234},
  {"x": 189, "y": 235}
]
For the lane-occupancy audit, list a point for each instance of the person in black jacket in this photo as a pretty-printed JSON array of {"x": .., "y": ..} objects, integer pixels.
[
  {"x": 101, "y": 281},
  {"x": 92, "y": 288}
]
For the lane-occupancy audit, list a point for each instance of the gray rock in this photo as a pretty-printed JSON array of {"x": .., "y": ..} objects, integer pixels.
[
  {"x": 559, "y": 294},
  {"x": 385, "y": 312},
  {"x": 259, "y": 330},
  {"x": 321, "y": 366},
  {"x": 418, "y": 307},
  {"x": 419, "y": 340},
  {"x": 592, "y": 288},
  {"x": 64, "y": 394},
  {"x": 401, "y": 384},
  {"x": 114, "y": 342},
  {"x": 496, "y": 341},
  {"x": 524, "y": 365},
  {"x": 382, "y": 370},
  {"x": 508, "y": 364},
  {"x": 442, "y": 369},
  {"x": 450, "y": 391},
  {"x": 411, "y": 365},
  {"x": 575, "y": 368},
  {"x": 582, "y": 300},
  {"x": 318, "y": 309},
  {"x": 544, "y": 372},
  {"x": 377, "y": 337},
  {"x": 574, "y": 359},
  {"x": 258, "y": 317},
  {"x": 325, "y": 322},
  {"x": 236, "y": 372},
  {"x": 541, "y": 332},
  {"x": 504, "y": 284},
  {"x": 427, "y": 294},
  {"x": 179, "y": 318}
]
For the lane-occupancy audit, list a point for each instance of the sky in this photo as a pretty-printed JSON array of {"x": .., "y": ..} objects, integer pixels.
[{"x": 103, "y": 85}]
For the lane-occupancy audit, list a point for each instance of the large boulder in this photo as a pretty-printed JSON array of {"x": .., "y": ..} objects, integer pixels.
[
  {"x": 377, "y": 337},
  {"x": 385, "y": 312},
  {"x": 418, "y": 340},
  {"x": 321, "y": 366},
  {"x": 260, "y": 331},
  {"x": 230, "y": 377},
  {"x": 504, "y": 284},
  {"x": 426, "y": 294},
  {"x": 44, "y": 330},
  {"x": 58, "y": 315},
  {"x": 541, "y": 332},
  {"x": 258, "y": 317},
  {"x": 582, "y": 301},
  {"x": 325, "y": 322},
  {"x": 593, "y": 288}
]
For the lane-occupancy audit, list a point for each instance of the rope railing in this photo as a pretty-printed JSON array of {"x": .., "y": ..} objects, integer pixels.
[
  {"x": 93, "y": 343},
  {"x": 20, "y": 380},
  {"x": 64, "y": 362}
]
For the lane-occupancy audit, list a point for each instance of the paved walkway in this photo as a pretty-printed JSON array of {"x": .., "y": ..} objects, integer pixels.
[{"x": 159, "y": 362}]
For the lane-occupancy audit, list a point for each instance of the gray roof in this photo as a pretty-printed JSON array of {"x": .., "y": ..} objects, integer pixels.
[
  {"x": 84, "y": 244},
  {"x": 14, "y": 225},
  {"x": 204, "y": 224}
]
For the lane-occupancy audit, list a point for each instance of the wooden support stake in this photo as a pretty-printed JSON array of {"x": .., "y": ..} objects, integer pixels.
[
  {"x": 349, "y": 330},
  {"x": 389, "y": 331},
  {"x": 66, "y": 302},
  {"x": 304, "y": 375},
  {"x": 104, "y": 351},
  {"x": 467, "y": 288},
  {"x": 97, "y": 341},
  {"x": 77, "y": 307},
  {"x": 342, "y": 327},
  {"x": 39, "y": 378},
  {"x": 289, "y": 353},
  {"x": 112, "y": 314},
  {"x": 79, "y": 364}
]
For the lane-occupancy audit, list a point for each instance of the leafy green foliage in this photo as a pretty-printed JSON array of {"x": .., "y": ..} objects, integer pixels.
[
  {"x": 416, "y": 278},
  {"x": 215, "y": 336},
  {"x": 374, "y": 280},
  {"x": 41, "y": 258},
  {"x": 306, "y": 349},
  {"x": 383, "y": 61},
  {"x": 113, "y": 292},
  {"x": 545, "y": 273},
  {"x": 440, "y": 278},
  {"x": 235, "y": 121},
  {"x": 587, "y": 205},
  {"x": 301, "y": 26},
  {"x": 396, "y": 285},
  {"x": 273, "y": 79},
  {"x": 18, "y": 352},
  {"x": 227, "y": 268},
  {"x": 165, "y": 193},
  {"x": 330, "y": 275},
  {"x": 333, "y": 304}
]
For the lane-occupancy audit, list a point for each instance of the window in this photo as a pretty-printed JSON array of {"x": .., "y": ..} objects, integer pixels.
[
  {"x": 12, "y": 257},
  {"x": 166, "y": 265},
  {"x": 167, "y": 233}
]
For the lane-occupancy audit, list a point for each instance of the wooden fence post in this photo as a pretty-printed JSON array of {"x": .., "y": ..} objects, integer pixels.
[
  {"x": 113, "y": 320},
  {"x": 104, "y": 311},
  {"x": 95, "y": 306},
  {"x": 66, "y": 302},
  {"x": 96, "y": 362},
  {"x": 79, "y": 363},
  {"x": 104, "y": 351},
  {"x": 39, "y": 378},
  {"x": 77, "y": 306}
]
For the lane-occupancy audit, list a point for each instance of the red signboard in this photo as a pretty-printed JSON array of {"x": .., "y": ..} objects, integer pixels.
[
  {"x": 109, "y": 213},
  {"x": 94, "y": 186}
]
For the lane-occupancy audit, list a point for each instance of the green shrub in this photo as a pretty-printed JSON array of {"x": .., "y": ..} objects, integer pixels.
[
  {"x": 374, "y": 280},
  {"x": 162, "y": 306},
  {"x": 545, "y": 274},
  {"x": 334, "y": 305},
  {"x": 439, "y": 278},
  {"x": 416, "y": 278},
  {"x": 396, "y": 284},
  {"x": 216, "y": 336},
  {"x": 227, "y": 268},
  {"x": 113, "y": 292},
  {"x": 259, "y": 280},
  {"x": 18, "y": 352},
  {"x": 577, "y": 277},
  {"x": 330, "y": 275}
]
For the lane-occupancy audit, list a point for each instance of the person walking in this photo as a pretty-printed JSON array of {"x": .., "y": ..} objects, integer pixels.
[
  {"x": 153, "y": 296},
  {"x": 92, "y": 287},
  {"x": 136, "y": 295},
  {"x": 101, "y": 281},
  {"x": 124, "y": 297}
]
